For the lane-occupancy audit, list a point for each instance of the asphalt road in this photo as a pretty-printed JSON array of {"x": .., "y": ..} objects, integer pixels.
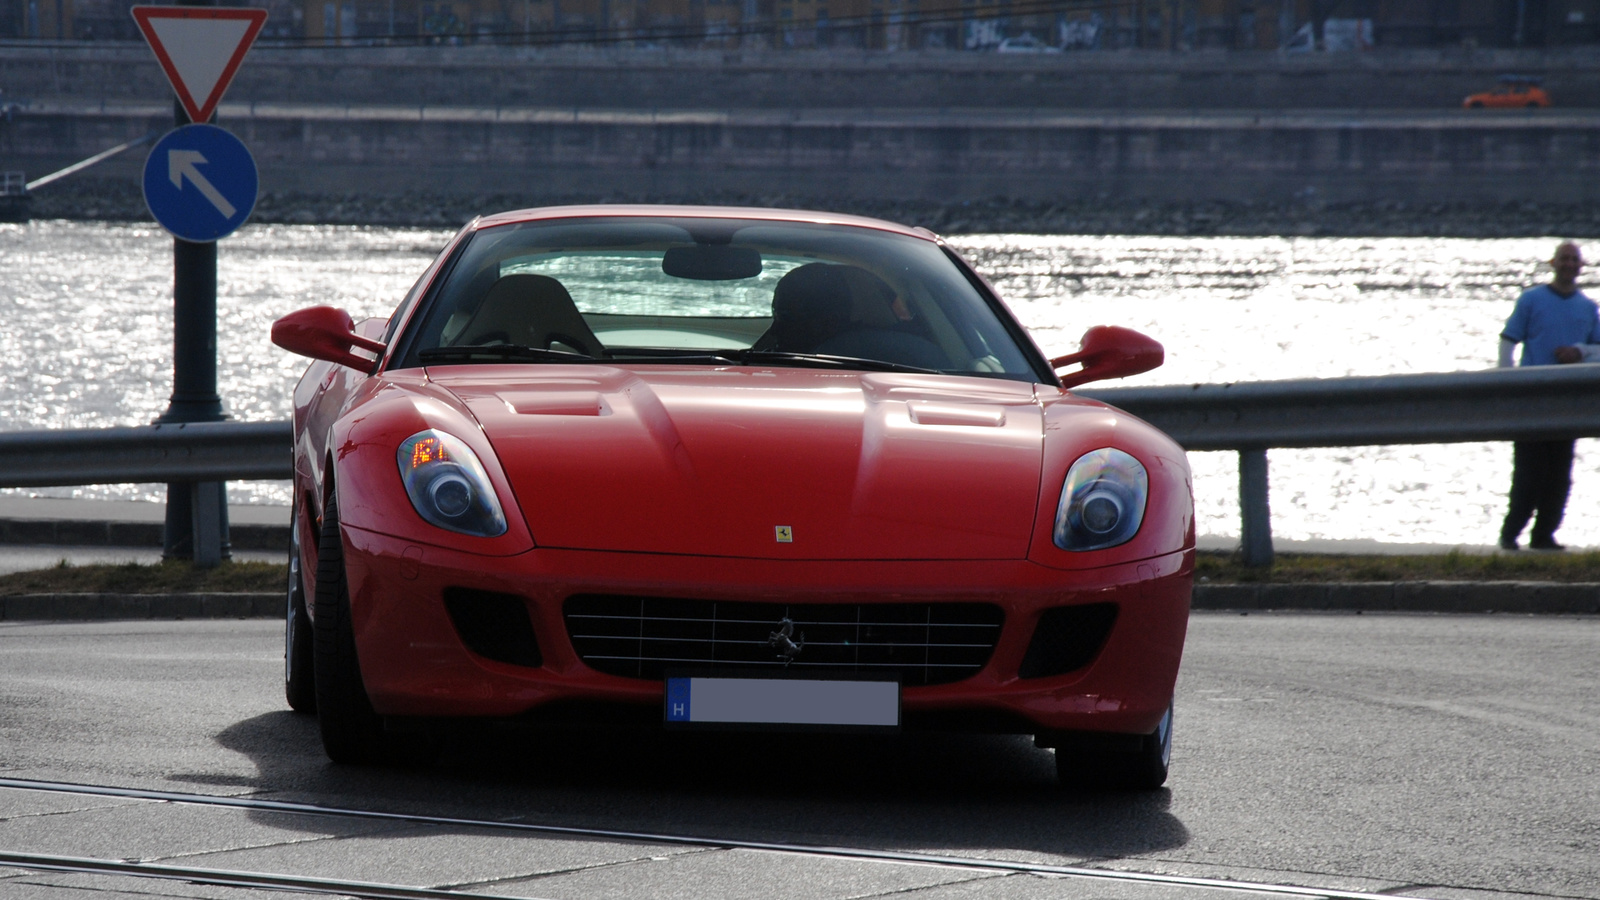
[{"x": 1435, "y": 756}]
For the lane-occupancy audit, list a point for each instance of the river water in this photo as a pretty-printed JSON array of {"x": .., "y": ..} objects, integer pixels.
[{"x": 88, "y": 329}]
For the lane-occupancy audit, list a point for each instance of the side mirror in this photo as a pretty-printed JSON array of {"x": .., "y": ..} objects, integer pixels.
[
  {"x": 326, "y": 333},
  {"x": 1109, "y": 351}
]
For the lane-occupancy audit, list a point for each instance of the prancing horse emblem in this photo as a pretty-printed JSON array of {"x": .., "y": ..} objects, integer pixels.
[{"x": 783, "y": 641}]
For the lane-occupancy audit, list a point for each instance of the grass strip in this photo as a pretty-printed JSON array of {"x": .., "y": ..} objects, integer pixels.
[
  {"x": 1299, "y": 568},
  {"x": 171, "y": 577}
]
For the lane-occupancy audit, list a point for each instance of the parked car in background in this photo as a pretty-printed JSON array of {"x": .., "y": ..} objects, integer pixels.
[
  {"x": 1027, "y": 43},
  {"x": 728, "y": 468},
  {"x": 1513, "y": 91}
]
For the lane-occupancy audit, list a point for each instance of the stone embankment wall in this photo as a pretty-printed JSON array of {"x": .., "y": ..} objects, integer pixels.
[
  {"x": 839, "y": 127},
  {"x": 485, "y": 76},
  {"x": 947, "y": 156}
]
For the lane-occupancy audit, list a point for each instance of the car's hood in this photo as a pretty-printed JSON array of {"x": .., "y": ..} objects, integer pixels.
[{"x": 771, "y": 463}]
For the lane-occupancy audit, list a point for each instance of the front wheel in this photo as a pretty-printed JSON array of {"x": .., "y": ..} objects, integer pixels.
[
  {"x": 299, "y": 682},
  {"x": 351, "y": 731},
  {"x": 1142, "y": 770}
]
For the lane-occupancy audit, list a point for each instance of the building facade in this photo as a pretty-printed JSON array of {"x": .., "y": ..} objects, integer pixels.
[{"x": 980, "y": 25}]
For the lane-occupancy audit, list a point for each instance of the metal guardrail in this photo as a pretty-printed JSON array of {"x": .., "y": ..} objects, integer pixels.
[
  {"x": 1438, "y": 408},
  {"x": 193, "y": 452},
  {"x": 1495, "y": 405}
]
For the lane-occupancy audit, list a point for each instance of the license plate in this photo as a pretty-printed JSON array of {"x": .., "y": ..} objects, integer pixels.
[{"x": 782, "y": 703}]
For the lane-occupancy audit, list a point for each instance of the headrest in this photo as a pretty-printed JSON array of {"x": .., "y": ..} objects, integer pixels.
[
  {"x": 528, "y": 288},
  {"x": 816, "y": 291}
]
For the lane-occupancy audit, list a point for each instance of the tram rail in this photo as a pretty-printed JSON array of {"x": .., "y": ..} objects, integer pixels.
[
  {"x": 257, "y": 881},
  {"x": 281, "y": 882}
]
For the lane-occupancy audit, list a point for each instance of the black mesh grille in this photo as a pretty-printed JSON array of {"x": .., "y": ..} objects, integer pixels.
[
  {"x": 641, "y": 637},
  {"x": 1067, "y": 639},
  {"x": 494, "y": 626}
]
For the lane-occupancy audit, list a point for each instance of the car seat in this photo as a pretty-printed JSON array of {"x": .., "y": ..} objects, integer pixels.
[
  {"x": 844, "y": 310},
  {"x": 534, "y": 311},
  {"x": 810, "y": 304}
]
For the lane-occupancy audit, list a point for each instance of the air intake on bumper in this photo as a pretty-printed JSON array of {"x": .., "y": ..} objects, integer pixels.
[
  {"x": 1067, "y": 639},
  {"x": 494, "y": 626}
]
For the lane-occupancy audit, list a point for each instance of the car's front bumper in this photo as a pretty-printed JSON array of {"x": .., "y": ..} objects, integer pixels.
[{"x": 414, "y": 663}]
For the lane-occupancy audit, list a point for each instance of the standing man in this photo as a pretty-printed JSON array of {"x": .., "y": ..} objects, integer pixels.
[{"x": 1550, "y": 322}]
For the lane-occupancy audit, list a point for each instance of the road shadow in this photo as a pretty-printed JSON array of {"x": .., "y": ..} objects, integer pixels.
[{"x": 958, "y": 793}]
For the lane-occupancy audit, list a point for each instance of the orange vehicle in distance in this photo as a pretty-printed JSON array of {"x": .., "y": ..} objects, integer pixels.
[{"x": 1515, "y": 91}]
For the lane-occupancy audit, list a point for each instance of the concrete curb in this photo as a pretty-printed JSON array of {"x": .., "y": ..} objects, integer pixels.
[
  {"x": 1516, "y": 597},
  {"x": 95, "y": 533},
  {"x": 109, "y": 607}
]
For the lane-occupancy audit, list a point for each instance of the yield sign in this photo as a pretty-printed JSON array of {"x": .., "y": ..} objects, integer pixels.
[{"x": 200, "y": 49}]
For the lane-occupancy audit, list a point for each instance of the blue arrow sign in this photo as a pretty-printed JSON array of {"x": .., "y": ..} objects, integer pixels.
[{"x": 200, "y": 183}]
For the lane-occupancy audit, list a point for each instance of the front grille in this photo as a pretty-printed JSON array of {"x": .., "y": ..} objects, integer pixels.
[{"x": 922, "y": 643}]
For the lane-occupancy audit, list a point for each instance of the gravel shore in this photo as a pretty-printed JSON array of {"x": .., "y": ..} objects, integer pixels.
[{"x": 120, "y": 200}]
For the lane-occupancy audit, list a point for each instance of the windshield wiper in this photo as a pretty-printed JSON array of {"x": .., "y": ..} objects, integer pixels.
[
  {"x": 492, "y": 352},
  {"x": 674, "y": 356},
  {"x": 499, "y": 352},
  {"x": 829, "y": 361}
]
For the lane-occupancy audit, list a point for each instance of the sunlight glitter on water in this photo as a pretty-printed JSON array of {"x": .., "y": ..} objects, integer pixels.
[
  {"x": 88, "y": 312},
  {"x": 89, "y": 320},
  {"x": 1247, "y": 309}
]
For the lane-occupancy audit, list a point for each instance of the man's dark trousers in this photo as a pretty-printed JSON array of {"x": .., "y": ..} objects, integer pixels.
[{"x": 1541, "y": 479}]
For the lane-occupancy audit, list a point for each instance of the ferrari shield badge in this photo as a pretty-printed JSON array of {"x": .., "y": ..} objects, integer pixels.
[{"x": 785, "y": 534}]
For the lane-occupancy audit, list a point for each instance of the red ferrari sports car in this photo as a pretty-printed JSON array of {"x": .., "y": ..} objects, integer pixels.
[{"x": 728, "y": 468}]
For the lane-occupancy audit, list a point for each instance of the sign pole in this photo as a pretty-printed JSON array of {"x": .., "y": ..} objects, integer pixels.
[
  {"x": 200, "y": 184},
  {"x": 197, "y": 513}
]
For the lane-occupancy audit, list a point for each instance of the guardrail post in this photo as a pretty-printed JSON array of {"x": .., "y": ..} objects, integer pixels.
[
  {"x": 207, "y": 502},
  {"x": 1255, "y": 514}
]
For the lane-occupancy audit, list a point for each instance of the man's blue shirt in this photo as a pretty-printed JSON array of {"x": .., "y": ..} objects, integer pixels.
[{"x": 1544, "y": 320}]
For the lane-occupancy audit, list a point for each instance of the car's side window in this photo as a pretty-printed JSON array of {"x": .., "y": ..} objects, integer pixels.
[{"x": 405, "y": 305}]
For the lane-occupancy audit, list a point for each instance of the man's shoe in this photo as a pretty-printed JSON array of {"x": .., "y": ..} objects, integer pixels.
[
  {"x": 1507, "y": 543},
  {"x": 1544, "y": 544}
]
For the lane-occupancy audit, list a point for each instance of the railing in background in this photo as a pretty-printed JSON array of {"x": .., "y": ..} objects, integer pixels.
[
  {"x": 193, "y": 452},
  {"x": 203, "y": 454},
  {"x": 1535, "y": 403},
  {"x": 1250, "y": 418}
]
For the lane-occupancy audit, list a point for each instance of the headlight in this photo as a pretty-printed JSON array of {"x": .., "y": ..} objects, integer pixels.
[
  {"x": 447, "y": 484},
  {"x": 1102, "y": 501}
]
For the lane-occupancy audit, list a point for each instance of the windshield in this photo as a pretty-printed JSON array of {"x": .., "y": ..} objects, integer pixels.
[{"x": 684, "y": 290}]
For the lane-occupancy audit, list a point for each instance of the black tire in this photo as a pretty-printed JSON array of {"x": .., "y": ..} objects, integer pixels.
[
  {"x": 351, "y": 731},
  {"x": 1476, "y": 104},
  {"x": 1143, "y": 770},
  {"x": 299, "y": 675}
]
